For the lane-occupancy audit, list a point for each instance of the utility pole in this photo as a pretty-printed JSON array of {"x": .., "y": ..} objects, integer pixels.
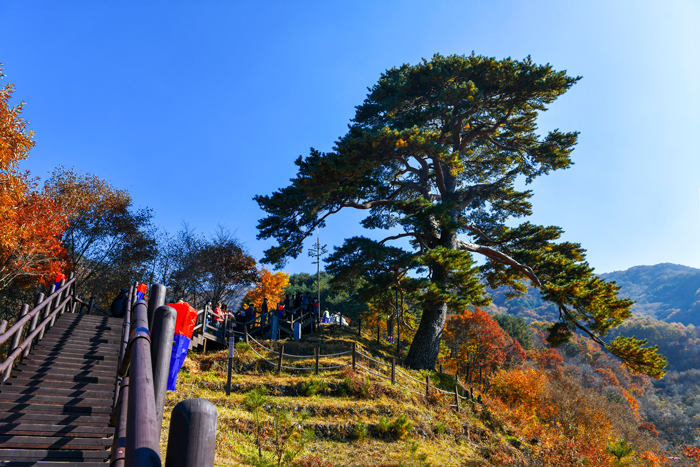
[{"x": 317, "y": 251}]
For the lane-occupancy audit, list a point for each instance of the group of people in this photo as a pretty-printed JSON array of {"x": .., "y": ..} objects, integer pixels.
[{"x": 301, "y": 304}]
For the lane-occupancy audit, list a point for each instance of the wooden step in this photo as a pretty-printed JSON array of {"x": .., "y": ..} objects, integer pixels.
[
  {"x": 39, "y": 390},
  {"x": 32, "y": 383},
  {"x": 55, "y": 419},
  {"x": 65, "y": 401},
  {"x": 52, "y": 409},
  {"x": 75, "y": 358},
  {"x": 69, "y": 431},
  {"x": 76, "y": 363},
  {"x": 26, "y": 455},
  {"x": 55, "y": 370},
  {"x": 23, "y": 379}
]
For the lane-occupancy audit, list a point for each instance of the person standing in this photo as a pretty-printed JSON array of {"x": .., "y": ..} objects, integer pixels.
[
  {"x": 263, "y": 312},
  {"x": 118, "y": 306}
]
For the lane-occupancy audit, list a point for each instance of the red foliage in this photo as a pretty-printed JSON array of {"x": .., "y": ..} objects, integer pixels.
[
  {"x": 549, "y": 359},
  {"x": 648, "y": 427}
]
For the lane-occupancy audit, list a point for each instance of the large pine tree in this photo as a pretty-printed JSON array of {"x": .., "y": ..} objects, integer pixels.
[{"x": 435, "y": 151}]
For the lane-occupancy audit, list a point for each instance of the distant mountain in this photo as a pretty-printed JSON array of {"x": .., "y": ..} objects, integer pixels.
[{"x": 667, "y": 292}]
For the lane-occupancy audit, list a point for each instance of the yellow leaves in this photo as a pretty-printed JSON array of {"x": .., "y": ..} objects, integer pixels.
[
  {"x": 271, "y": 286},
  {"x": 401, "y": 143}
]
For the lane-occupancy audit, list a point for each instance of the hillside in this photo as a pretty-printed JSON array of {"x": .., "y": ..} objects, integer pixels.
[
  {"x": 667, "y": 292},
  {"x": 536, "y": 414}
]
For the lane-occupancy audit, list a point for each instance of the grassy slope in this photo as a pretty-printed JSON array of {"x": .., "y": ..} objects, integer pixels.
[{"x": 466, "y": 439}]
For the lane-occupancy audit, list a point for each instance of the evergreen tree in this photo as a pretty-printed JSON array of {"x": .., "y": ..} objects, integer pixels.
[{"x": 436, "y": 150}]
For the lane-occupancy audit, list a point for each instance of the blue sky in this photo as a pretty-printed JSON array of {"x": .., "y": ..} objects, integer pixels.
[{"x": 195, "y": 107}]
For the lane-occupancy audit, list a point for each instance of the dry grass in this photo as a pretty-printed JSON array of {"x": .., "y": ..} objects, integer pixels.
[{"x": 333, "y": 415}]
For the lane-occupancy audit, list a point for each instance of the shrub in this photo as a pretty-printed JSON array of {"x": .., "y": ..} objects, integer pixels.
[
  {"x": 401, "y": 426},
  {"x": 312, "y": 387},
  {"x": 242, "y": 346},
  {"x": 440, "y": 429},
  {"x": 384, "y": 426},
  {"x": 356, "y": 385},
  {"x": 359, "y": 431},
  {"x": 312, "y": 461}
]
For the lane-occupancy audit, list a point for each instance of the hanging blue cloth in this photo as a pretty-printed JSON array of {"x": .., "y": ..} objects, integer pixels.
[{"x": 181, "y": 345}]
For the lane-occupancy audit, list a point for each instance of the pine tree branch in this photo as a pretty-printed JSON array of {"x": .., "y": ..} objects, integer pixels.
[{"x": 501, "y": 257}]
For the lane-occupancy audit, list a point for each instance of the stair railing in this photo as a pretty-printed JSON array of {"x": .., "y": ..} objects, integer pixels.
[{"x": 47, "y": 309}]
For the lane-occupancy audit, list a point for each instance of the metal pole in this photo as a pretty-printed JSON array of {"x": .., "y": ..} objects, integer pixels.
[
  {"x": 230, "y": 361},
  {"x": 162, "y": 335},
  {"x": 156, "y": 298},
  {"x": 142, "y": 434},
  {"x": 398, "y": 324},
  {"x": 192, "y": 437}
]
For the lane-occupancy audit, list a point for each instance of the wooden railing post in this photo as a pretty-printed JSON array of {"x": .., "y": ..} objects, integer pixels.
[
  {"x": 245, "y": 332},
  {"x": 142, "y": 433},
  {"x": 91, "y": 306},
  {"x": 32, "y": 325},
  {"x": 279, "y": 363},
  {"x": 393, "y": 370},
  {"x": 119, "y": 442},
  {"x": 156, "y": 299},
  {"x": 15, "y": 340},
  {"x": 427, "y": 385},
  {"x": 162, "y": 336},
  {"x": 354, "y": 358},
  {"x": 73, "y": 292},
  {"x": 192, "y": 437},
  {"x": 47, "y": 311},
  {"x": 316, "y": 352}
]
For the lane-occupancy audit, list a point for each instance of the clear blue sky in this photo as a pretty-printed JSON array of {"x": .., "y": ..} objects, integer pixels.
[{"x": 197, "y": 106}]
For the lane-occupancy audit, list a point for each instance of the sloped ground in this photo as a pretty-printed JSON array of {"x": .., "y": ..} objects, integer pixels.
[{"x": 346, "y": 401}]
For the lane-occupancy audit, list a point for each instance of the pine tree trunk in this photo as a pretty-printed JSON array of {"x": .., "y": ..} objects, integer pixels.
[{"x": 426, "y": 344}]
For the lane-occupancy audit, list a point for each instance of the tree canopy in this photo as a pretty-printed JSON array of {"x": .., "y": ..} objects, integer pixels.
[{"x": 436, "y": 155}]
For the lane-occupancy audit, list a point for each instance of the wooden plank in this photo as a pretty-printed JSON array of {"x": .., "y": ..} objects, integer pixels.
[
  {"x": 72, "y": 431},
  {"x": 40, "y": 455},
  {"x": 54, "y": 409},
  {"x": 69, "y": 378},
  {"x": 60, "y": 384},
  {"x": 50, "y": 464},
  {"x": 87, "y": 391},
  {"x": 53, "y": 443},
  {"x": 55, "y": 419},
  {"x": 72, "y": 358},
  {"x": 57, "y": 370},
  {"x": 56, "y": 400},
  {"x": 86, "y": 365}
]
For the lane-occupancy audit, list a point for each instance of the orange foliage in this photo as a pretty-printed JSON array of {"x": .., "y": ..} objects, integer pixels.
[
  {"x": 476, "y": 340},
  {"x": 692, "y": 452},
  {"x": 35, "y": 251},
  {"x": 15, "y": 143},
  {"x": 271, "y": 286},
  {"x": 548, "y": 359}
]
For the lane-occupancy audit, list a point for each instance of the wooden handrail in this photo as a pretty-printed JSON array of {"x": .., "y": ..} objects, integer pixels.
[{"x": 5, "y": 336}]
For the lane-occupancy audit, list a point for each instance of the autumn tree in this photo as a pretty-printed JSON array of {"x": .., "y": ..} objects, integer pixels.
[
  {"x": 435, "y": 154},
  {"x": 216, "y": 269},
  {"x": 109, "y": 243},
  {"x": 15, "y": 143},
  {"x": 476, "y": 341},
  {"x": 269, "y": 285}
]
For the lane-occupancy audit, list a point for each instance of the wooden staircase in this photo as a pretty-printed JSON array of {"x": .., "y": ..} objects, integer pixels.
[{"x": 55, "y": 409}]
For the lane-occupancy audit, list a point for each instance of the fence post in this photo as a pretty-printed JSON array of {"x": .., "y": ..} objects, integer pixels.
[
  {"x": 60, "y": 299},
  {"x": 359, "y": 326},
  {"x": 317, "y": 351},
  {"x": 156, "y": 299},
  {"x": 245, "y": 332},
  {"x": 230, "y": 361},
  {"x": 162, "y": 334},
  {"x": 91, "y": 306},
  {"x": 142, "y": 439},
  {"x": 32, "y": 325},
  {"x": 378, "y": 329},
  {"x": 119, "y": 443},
  {"x": 15, "y": 340},
  {"x": 46, "y": 311},
  {"x": 427, "y": 386},
  {"x": 457, "y": 398},
  {"x": 393, "y": 370},
  {"x": 354, "y": 345},
  {"x": 441, "y": 368},
  {"x": 279, "y": 363},
  {"x": 192, "y": 437}
]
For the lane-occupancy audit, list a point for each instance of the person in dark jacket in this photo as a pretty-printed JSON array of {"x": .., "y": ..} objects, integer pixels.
[
  {"x": 118, "y": 306},
  {"x": 287, "y": 302},
  {"x": 263, "y": 312}
]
